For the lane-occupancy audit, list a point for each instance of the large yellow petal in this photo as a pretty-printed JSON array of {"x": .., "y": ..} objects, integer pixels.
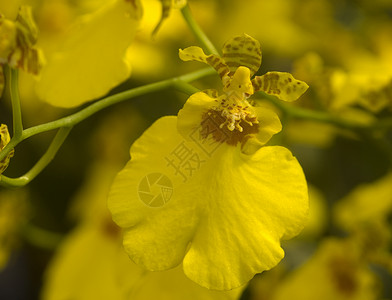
[
  {"x": 94, "y": 250},
  {"x": 148, "y": 199},
  {"x": 88, "y": 252},
  {"x": 251, "y": 202},
  {"x": 226, "y": 211},
  {"x": 91, "y": 60}
]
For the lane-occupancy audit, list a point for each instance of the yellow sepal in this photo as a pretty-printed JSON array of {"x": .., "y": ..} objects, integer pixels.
[
  {"x": 280, "y": 84},
  {"x": 197, "y": 54}
]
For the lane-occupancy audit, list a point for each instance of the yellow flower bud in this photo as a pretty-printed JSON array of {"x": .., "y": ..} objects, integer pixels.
[
  {"x": 17, "y": 39},
  {"x": 4, "y": 140},
  {"x": 8, "y": 38}
]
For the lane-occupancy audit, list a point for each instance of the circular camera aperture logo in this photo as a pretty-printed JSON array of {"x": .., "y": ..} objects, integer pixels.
[{"x": 155, "y": 190}]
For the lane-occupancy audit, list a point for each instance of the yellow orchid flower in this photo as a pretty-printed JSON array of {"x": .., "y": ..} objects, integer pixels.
[
  {"x": 4, "y": 140},
  {"x": 367, "y": 221},
  {"x": 17, "y": 39},
  {"x": 199, "y": 188},
  {"x": 359, "y": 208},
  {"x": 241, "y": 53}
]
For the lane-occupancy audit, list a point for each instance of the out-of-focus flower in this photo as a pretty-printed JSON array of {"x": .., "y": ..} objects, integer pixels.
[
  {"x": 212, "y": 194},
  {"x": 14, "y": 212},
  {"x": 336, "y": 271},
  {"x": 93, "y": 250},
  {"x": 367, "y": 220},
  {"x": 17, "y": 40},
  {"x": 277, "y": 25},
  {"x": 167, "y": 6},
  {"x": 309, "y": 133},
  {"x": 4, "y": 140},
  {"x": 85, "y": 45},
  {"x": 365, "y": 79},
  {"x": 359, "y": 206},
  {"x": 317, "y": 222},
  {"x": 150, "y": 55},
  {"x": 91, "y": 57},
  {"x": 336, "y": 91}
]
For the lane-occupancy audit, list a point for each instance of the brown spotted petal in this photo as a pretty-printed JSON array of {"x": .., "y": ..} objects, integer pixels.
[
  {"x": 280, "y": 84},
  {"x": 244, "y": 51},
  {"x": 4, "y": 140},
  {"x": 194, "y": 53}
]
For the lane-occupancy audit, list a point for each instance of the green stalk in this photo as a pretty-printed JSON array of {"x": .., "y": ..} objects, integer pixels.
[
  {"x": 41, "y": 164},
  {"x": 65, "y": 124},
  {"x": 198, "y": 32},
  {"x": 179, "y": 83},
  {"x": 324, "y": 117},
  {"x": 15, "y": 101}
]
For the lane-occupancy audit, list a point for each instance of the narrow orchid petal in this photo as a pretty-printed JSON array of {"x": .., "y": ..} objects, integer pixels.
[
  {"x": 280, "y": 84},
  {"x": 194, "y": 53}
]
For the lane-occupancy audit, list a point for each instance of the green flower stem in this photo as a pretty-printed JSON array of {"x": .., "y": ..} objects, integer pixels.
[
  {"x": 41, "y": 164},
  {"x": 15, "y": 100},
  {"x": 179, "y": 83},
  {"x": 65, "y": 124},
  {"x": 195, "y": 75},
  {"x": 198, "y": 32},
  {"x": 185, "y": 87},
  {"x": 325, "y": 117}
]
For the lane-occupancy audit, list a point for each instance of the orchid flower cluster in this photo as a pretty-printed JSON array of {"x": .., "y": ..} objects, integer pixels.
[{"x": 221, "y": 179}]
